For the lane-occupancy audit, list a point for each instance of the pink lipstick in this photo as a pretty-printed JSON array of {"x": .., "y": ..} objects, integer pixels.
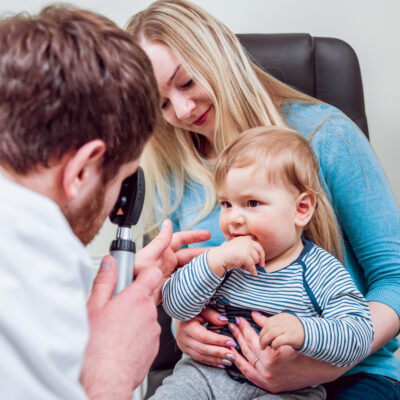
[{"x": 203, "y": 118}]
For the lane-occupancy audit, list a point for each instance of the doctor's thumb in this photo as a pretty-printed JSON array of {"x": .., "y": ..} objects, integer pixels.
[{"x": 104, "y": 283}]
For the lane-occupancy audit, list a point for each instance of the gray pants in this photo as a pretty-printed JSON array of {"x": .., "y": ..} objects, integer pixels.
[{"x": 192, "y": 380}]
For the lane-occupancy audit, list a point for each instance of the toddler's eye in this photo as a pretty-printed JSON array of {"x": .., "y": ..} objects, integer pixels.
[
  {"x": 253, "y": 203},
  {"x": 225, "y": 204}
]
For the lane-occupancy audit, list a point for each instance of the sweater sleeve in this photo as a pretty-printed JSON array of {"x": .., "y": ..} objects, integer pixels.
[
  {"x": 366, "y": 210},
  {"x": 342, "y": 335},
  {"x": 189, "y": 289}
]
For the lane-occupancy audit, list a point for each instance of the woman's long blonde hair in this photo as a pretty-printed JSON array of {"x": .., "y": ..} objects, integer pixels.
[
  {"x": 287, "y": 159},
  {"x": 244, "y": 96}
]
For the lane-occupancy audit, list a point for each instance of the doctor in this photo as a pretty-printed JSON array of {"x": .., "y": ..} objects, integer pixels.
[{"x": 78, "y": 101}]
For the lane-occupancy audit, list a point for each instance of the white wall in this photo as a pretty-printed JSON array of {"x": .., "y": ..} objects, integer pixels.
[{"x": 371, "y": 27}]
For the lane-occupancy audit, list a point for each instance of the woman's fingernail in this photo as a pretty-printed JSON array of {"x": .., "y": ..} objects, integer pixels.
[
  {"x": 231, "y": 327},
  {"x": 257, "y": 313},
  {"x": 221, "y": 366},
  {"x": 222, "y": 318},
  {"x": 105, "y": 264},
  {"x": 230, "y": 357},
  {"x": 237, "y": 320},
  {"x": 226, "y": 362},
  {"x": 229, "y": 343}
]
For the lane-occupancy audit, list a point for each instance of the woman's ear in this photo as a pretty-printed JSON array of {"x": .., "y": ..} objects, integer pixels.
[
  {"x": 82, "y": 168},
  {"x": 305, "y": 205}
]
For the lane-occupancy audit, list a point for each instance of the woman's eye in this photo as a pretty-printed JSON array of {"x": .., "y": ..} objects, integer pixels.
[
  {"x": 253, "y": 203},
  {"x": 164, "y": 105},
  {"x": 187, "y": 84},
  {"x": 225, "y": 204}
]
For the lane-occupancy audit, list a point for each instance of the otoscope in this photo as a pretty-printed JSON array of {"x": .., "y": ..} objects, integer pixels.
[{"x": 126, "y": 213}]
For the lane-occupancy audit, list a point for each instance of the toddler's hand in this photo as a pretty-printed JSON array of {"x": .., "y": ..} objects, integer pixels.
[
  {"x": 282, "y": 329},
  {"x": 240, "y": 252}
]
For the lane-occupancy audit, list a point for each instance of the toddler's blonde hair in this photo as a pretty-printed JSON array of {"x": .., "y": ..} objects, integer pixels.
[{"x": 287, "y": 159}]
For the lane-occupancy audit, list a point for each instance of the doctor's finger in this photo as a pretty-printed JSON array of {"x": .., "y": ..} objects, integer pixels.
[
  {"x": 184, "y": 256},
  {"x": 104, "y": 284},
  {"x": 161, "y": 242},
  {"x": 183, "y": 238}
]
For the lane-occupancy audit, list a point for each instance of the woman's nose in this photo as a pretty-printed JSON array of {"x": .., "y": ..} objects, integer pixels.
[{"x": 184, "y": 107}]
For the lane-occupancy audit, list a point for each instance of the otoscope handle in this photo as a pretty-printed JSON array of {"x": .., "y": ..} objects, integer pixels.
[{"x": 124, "y": 253}]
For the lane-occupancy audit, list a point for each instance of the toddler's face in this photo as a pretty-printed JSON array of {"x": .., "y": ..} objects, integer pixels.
[{"x": 250, "y": 205}]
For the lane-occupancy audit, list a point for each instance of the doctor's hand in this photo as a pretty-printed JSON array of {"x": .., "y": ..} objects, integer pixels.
[
  {"x": 164, "y": 252},
  {"x": 124, "y": 333}
]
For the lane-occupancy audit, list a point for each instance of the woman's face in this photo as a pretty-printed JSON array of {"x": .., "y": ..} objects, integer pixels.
[{"x": 184, "y": 103}]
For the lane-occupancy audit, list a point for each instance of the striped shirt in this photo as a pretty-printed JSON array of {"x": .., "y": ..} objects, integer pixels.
[{"x": 315, "y": 287}]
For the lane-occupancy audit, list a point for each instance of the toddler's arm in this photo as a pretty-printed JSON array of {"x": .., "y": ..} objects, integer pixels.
[
  {"x": 342, "y": 335},
  {"x": 188, "y": 290}
]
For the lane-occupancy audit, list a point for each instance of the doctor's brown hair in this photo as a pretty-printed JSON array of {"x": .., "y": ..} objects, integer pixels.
[
  {"x": 287, "y": 159},
  {"x": 69, "y": 76}
]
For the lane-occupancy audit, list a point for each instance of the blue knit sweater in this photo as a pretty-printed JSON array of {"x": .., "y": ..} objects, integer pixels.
[{"x": 356, "y": 186}]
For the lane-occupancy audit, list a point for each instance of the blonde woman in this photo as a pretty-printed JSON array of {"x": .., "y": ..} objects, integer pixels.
[{"x": 210, "y": 93}]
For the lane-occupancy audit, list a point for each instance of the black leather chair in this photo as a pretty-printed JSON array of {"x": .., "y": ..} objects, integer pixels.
[{"x": 325, "y": 68}]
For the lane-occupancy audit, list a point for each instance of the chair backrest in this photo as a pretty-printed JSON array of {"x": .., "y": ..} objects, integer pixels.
[{"x": 325, "y": 68}]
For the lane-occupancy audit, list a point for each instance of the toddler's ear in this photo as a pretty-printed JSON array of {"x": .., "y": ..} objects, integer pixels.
[{"x": 305, "y": 205}]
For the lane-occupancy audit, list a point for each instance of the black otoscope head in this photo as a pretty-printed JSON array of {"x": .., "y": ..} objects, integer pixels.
[
  {"x": 128, "y": 207},
  {"x": 126, "y": 213}
]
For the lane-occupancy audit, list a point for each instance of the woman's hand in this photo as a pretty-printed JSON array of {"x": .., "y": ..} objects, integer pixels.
[
  {"x": 204, "y": 346},
  {"x": 278, "y": 370}
]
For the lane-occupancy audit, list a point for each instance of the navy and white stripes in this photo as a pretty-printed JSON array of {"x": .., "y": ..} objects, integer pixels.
[
  {"x": 315, "y": 287},
  {"x": 189, "y": 289}
]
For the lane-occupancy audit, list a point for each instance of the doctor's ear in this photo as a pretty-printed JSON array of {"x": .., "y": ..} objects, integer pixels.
[
  {"x": 305, "y": 206},
  {"x": 82, "y": 168}
]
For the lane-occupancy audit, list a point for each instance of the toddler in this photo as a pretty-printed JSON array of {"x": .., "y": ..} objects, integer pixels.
[{"x": 280, "y": 236}]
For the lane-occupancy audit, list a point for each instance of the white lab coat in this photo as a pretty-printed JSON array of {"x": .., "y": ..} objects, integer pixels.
[{"x": 43, "y": 289}]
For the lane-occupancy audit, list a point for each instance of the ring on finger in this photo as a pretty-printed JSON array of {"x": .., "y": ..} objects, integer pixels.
[{"x": 255, "y": 362}]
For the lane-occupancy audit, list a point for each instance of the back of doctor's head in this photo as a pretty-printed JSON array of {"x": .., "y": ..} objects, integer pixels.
[
  {"x": 69, "y": 76},
  {"x": 288, "y": 161}
]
